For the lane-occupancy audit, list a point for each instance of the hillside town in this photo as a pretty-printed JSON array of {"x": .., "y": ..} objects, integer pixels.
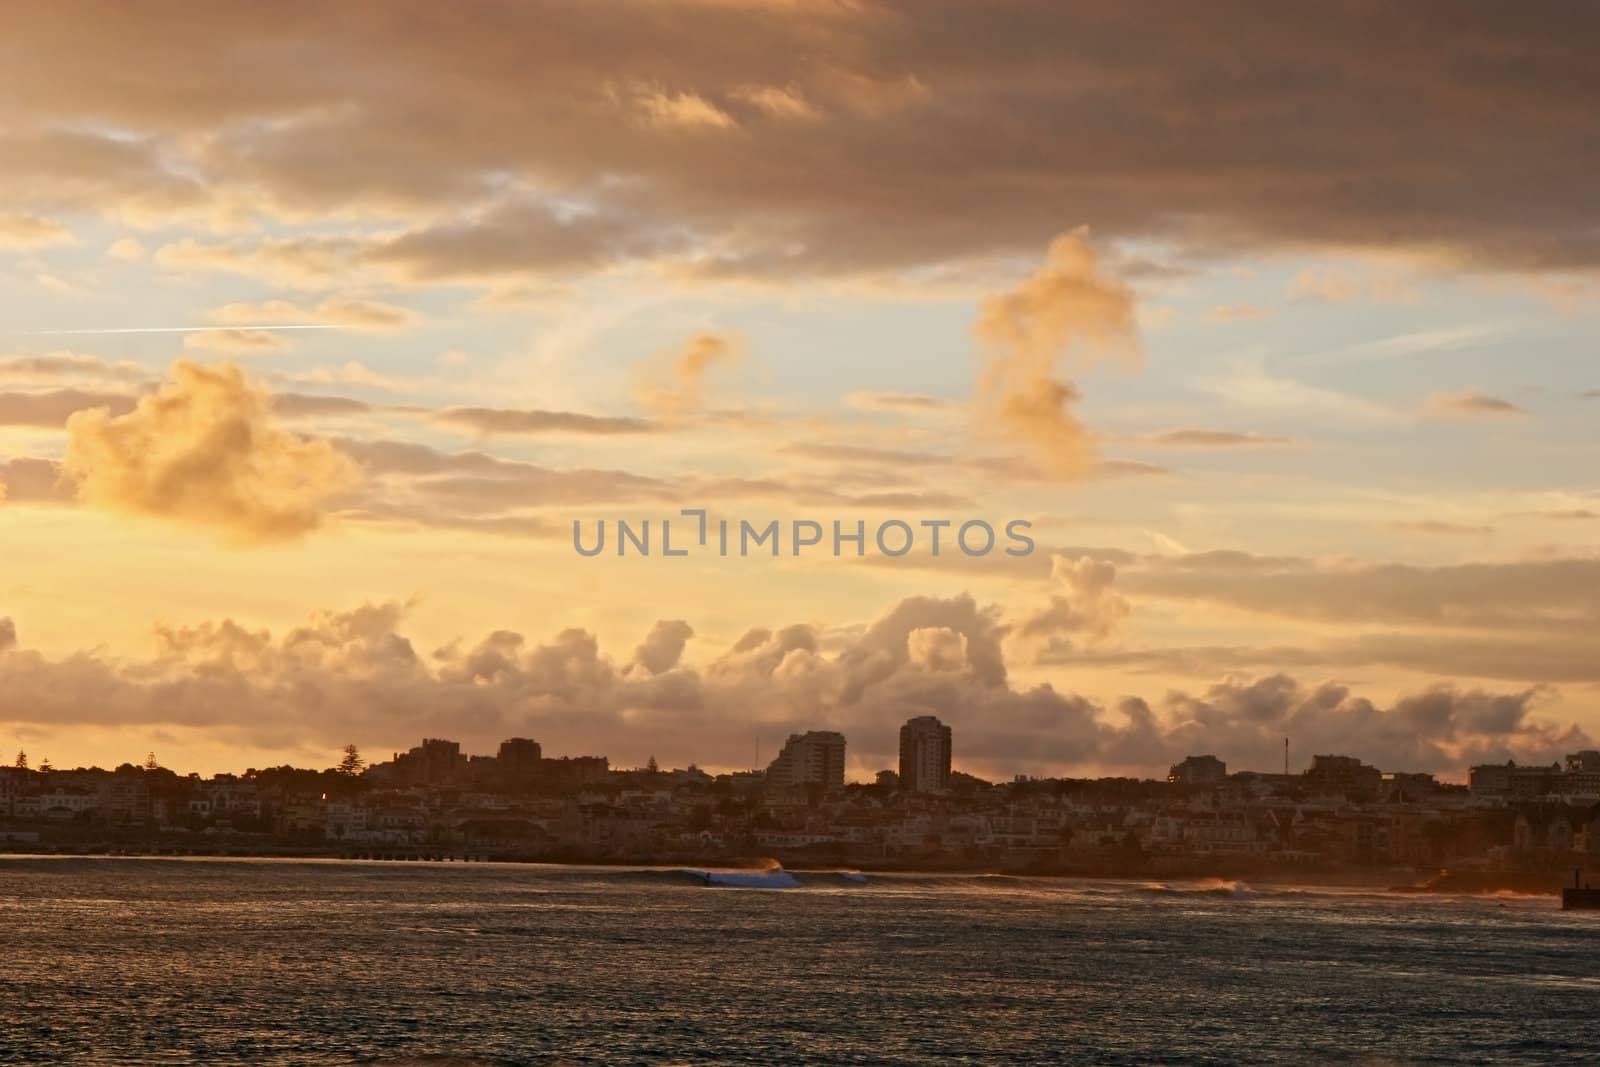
[{"x": 1337, "y": 816}]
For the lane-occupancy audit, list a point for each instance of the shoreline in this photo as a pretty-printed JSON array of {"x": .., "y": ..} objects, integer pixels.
[{"x": 1482, "y": 883}]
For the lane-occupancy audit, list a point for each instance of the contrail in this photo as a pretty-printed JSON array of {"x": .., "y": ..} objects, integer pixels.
[{"x": 187, "y": 329}]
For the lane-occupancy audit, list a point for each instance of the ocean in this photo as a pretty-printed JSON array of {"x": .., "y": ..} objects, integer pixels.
[{"x": 178, "y": 961}]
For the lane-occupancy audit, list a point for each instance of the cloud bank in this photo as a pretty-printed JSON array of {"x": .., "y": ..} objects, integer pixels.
[{"x": 356, "y": 674}]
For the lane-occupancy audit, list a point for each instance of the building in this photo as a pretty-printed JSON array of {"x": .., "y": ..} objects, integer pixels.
[
  {"x": 813, "y": 758},
  {"x": 434, "y": 762},
  {"x": 1344, "y": 774},
  {"x": 1579, "y": 777},
  {"x": 571, "y": 771},
  {"x": 1198, "y": 770},
  {"x": 1397, "y": 786},
  {"x": 519, "y": 761},
  {"x": 925, "y": 755}
]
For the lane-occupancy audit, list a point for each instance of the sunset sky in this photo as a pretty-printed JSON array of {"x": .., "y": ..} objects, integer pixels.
[{"x": 321, "y": 324}]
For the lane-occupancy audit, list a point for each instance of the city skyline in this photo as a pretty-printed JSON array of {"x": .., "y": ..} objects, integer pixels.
[
  {"x": 815, "y": 757},
  {"x": 307, "y": 374}
]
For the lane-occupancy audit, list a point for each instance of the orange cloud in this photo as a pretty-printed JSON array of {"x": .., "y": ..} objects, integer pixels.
[
  {"x": 31, "y": 231},
  {"x": 204, "y": 450},
  {"x": 679, "y": 388},
  {"x": 1068, "y": 308}
]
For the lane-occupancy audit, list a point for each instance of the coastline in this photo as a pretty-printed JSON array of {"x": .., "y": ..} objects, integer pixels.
[{"x": 1397, "y": 880}]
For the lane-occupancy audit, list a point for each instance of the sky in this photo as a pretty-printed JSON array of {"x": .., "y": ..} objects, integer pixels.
[{"x": 321, "y": 326}]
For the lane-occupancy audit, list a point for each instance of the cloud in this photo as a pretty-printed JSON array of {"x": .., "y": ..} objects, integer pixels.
[
  {"x": 1066, "y": 308},
  {"x": 517, "y": 239},
  {"x": 683, "y": 110},
  {"x": 1552, "y": 597},
  {"x": 1336, "y": 287},
  {"x": 1191, "y": 438},
  {"x": 1250, "y": 384},
  {"x": 204, "y": 450},
  {"x": 1086, "y": 609},
  {"x": 54, "y": 366},
  {"x": 51, "y": 410},
  {"x": 785, "y": 103},
  {"x": 489, "y": 421},
  {"x": 127, "y": 250},
  {"x": 420, "y": 483},
  {"x": 909, "y": 403},
  {"x": 369, "y": 315},
  {"x": 234, "y": 342},
  {"x": 357, "y": 674},
  {"x": 1468, "y": 404},
  {"x": 1236, "y": 313},
  {"x": 663, "y": 646},
  {"x": 845, "y": 453},
  {"x": 299, "y": 262},
  {"x": 1442, "y": 727},
  {"x": 1274, "y": 137},
  {"x": 1439, "y": 526},
  {"x": 675, "y": 384},
  {"x": 310, "y": 406},
  {"x": 31, "y": 231},
  {"x": 29, "y": 480},
  {"x": 936, "y": 648}
]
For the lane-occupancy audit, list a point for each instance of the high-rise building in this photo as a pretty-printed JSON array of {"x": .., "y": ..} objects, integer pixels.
[
  {"x": 518, "y": 761},
  {"x": 813, "y": 758},
  {"x": 434, "y": 762},
  {"x": 925, "y": 755}
]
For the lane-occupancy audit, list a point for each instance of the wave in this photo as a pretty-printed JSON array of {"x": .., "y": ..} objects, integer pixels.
[
  {"x": 1211, "y": 887},
  {"x": 773, "y": 876},
  {"x": 768, "y": 879}
]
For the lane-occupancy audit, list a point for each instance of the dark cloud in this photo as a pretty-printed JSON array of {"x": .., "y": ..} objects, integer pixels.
[
  {"x": 520, "y": 240},
  {"x": 1553, "y": 597},
  {"x": 837, "y": 138},
  {"x": 356, "y": 674}
]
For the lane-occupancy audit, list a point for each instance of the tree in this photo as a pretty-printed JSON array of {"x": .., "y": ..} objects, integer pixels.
[
  {"x": 352, "y": 763},
  {"x": 653, "y": 767},
  {"x": 44, "y": 765},
  {"x": 150, "y": 763},
  {"x": 22, "y": 761}
]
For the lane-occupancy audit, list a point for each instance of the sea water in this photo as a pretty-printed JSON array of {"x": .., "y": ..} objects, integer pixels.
[{"x": 158, "y": 961}]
